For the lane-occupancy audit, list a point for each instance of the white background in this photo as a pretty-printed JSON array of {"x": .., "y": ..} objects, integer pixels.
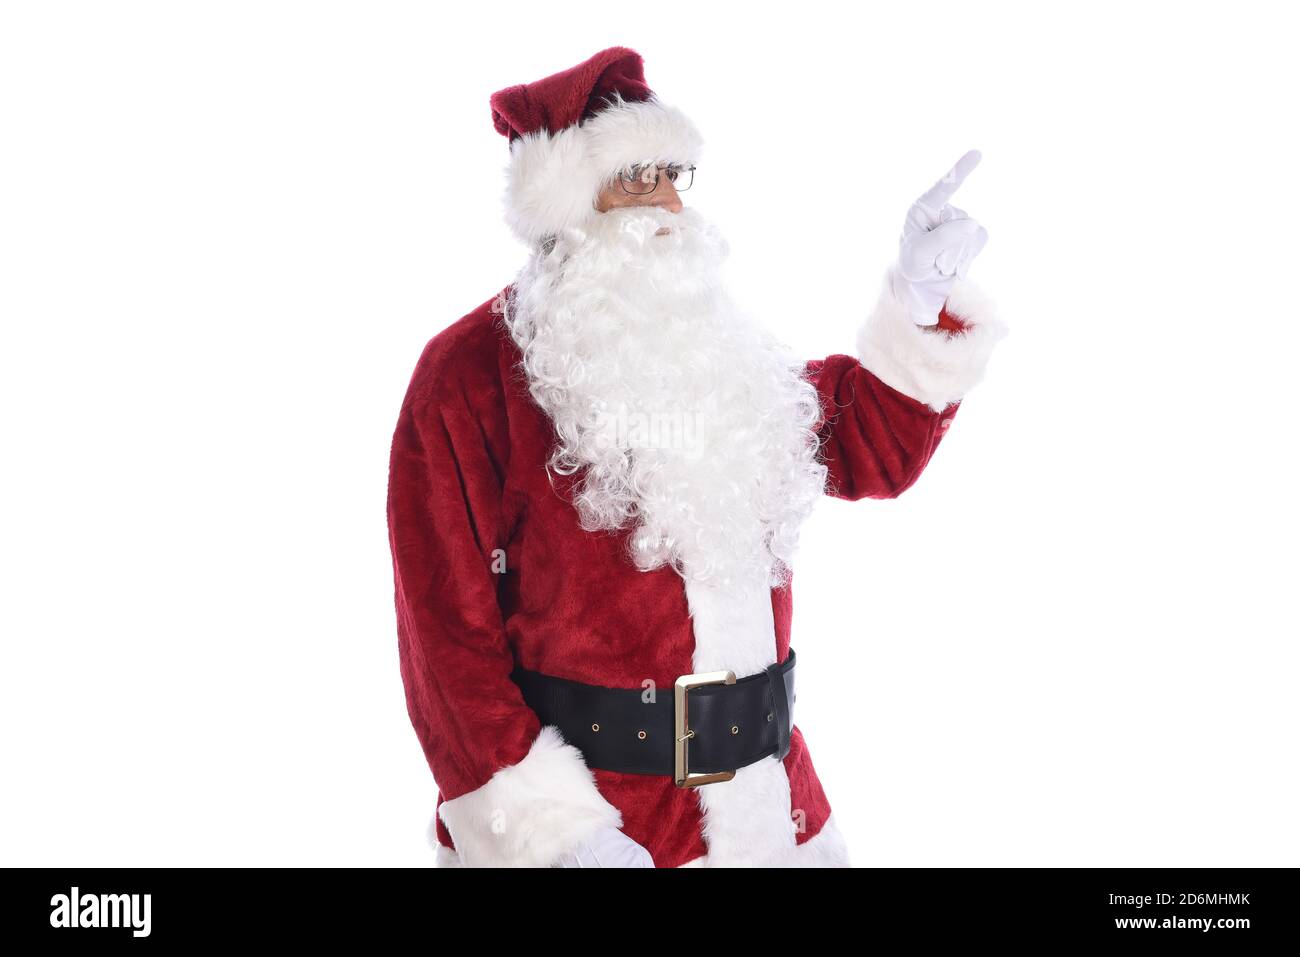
[{"x": 227, "y": 229}]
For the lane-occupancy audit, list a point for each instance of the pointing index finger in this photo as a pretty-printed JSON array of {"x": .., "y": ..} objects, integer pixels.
[{"x": 937, "y": 196}]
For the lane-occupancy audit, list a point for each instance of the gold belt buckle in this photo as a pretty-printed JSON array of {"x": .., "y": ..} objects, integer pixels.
[{"x": 682, "y": 777}]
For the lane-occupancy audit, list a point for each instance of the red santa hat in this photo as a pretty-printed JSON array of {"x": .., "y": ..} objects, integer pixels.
[{"x": 572, "y": 132}]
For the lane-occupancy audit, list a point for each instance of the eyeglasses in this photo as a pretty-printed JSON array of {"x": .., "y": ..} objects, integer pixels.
[{"x": 640, "y": 180}]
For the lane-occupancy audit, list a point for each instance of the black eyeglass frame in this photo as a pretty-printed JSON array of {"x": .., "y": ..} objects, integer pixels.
[{"x": 635, "y": 174}]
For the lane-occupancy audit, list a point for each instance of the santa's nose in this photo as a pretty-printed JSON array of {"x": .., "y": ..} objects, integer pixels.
[
  {"x": 666, "y": 196},
  {"x": 672, "y": 202}
]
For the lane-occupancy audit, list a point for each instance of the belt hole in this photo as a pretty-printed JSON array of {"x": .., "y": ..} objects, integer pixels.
[
  {"x": 735, "y": 729},
  {"x": 595, "y": 727},
  {"x": 641, "y": 735},
  {"x": 769, "y": 716}
]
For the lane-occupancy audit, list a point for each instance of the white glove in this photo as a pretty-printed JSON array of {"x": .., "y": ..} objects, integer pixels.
[
  {"x": 608, "y": 847},
  {"x": 937, "y": 246}
]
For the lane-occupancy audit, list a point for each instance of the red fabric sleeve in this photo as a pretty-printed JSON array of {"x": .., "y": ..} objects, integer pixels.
[
  {"x": 444, "y": 520},
  {"x": 948, "y": 323},
  {"x": 875, "y": 440}
]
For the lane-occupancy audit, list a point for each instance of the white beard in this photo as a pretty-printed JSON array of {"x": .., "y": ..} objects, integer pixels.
[{"x": 690, "y": 424}]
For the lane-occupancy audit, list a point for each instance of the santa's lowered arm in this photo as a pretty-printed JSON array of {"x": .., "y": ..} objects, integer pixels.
[
  {"x": 514, "y": 792},
  {"x": 923, "y": 347}
]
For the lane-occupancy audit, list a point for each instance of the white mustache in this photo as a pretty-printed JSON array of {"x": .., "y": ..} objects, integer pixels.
[{"x": 681, "y": 247}]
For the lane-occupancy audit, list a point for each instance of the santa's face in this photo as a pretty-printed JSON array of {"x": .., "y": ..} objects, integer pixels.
[
  {"x": 687, "y": 422},
  {"x": 644, "y": 186}
]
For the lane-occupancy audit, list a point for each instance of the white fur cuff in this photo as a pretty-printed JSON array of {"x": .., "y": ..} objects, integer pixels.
[
  {"x": 532, "y": 812},
  {"x": 931, "y": 366}
]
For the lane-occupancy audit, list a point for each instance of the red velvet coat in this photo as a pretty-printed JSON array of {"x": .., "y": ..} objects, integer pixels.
[{"x": 468, "y": 485}]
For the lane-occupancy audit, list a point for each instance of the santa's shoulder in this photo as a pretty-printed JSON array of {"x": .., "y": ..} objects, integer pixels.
[{"x": 464, "y": 360}]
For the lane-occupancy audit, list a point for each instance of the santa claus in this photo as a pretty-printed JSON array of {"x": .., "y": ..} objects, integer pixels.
[{"x": 597, "y": 482}]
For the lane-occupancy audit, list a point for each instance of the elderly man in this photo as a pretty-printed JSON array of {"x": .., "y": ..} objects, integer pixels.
[{"x": 596, "y": 487}]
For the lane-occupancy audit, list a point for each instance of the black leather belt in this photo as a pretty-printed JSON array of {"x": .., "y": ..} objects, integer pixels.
[{"x": 711, "y": 725}]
